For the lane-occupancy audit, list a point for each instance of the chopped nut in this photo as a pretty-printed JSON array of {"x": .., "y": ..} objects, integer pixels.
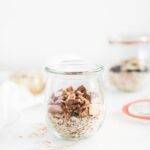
[
  {"x": 69, "y": 89},
  {"x": 82, "y": 98},
  {"x": 79, "y": 93},
  {"x": 72, "y": 96}
]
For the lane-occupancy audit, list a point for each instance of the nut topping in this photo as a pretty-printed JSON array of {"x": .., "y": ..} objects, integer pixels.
[{"x": 72, "y": 102}]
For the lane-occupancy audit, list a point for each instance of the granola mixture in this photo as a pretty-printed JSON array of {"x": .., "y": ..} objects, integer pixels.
[
  {"x": 129, "y": 75},
  {"x": 75, "y": 113}
]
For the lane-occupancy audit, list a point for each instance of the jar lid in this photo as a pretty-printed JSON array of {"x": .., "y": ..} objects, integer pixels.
[
  {"x": 129, "y": 39},
  {"x": 73, "y": 67}
]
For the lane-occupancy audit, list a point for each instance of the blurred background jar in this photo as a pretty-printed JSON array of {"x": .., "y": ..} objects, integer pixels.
[
  {"x": 74, "y": 99},
  {"x": 130, "y": 63}
]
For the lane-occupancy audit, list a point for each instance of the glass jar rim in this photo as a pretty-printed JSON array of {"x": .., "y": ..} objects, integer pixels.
[
  {"x": 73, "y": 67},
  {"x": 127, "y": 39}
]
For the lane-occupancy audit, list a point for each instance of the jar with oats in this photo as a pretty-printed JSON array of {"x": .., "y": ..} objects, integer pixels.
[
  {"x": 129, "y": 68},
  {"x": 75, "y": 106}
]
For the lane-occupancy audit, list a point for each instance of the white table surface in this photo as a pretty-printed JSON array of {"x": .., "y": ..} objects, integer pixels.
[{"x": 117, "y": 132}]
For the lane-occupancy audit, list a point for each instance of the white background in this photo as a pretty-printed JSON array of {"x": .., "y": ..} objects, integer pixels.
[{"x": 32, "y": 31}]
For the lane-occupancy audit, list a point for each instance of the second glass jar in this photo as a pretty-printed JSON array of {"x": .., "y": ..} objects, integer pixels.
[{"x": 129, "y": 70}]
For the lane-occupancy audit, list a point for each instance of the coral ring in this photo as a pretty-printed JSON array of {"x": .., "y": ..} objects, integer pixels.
[{"x": 135, "y": 106}]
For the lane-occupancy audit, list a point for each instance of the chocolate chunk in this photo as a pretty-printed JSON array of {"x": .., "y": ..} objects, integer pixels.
[
  {"x": 74, "y": 114},
  {"x": 53, "y": 98},
  {"x": 84, "y": 113},
  {"x": 58, "y": 101},
  {"x": 54, "y": 109},
  {"x": 87, "y": 96},
  {"x": 81, "y": 88},
  {"x": 129, "y": 71},
  {"x": 116, "y": 69},
  {"x": 137, "y": 70}
]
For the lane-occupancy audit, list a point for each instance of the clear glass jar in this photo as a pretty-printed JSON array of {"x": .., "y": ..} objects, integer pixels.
[
  {"x": 129, "y": 69},
  {"x": 74, "y": 98}
]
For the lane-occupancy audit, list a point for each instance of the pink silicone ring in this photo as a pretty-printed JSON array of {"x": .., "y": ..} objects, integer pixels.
[{"x": 125, "y": 110}]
